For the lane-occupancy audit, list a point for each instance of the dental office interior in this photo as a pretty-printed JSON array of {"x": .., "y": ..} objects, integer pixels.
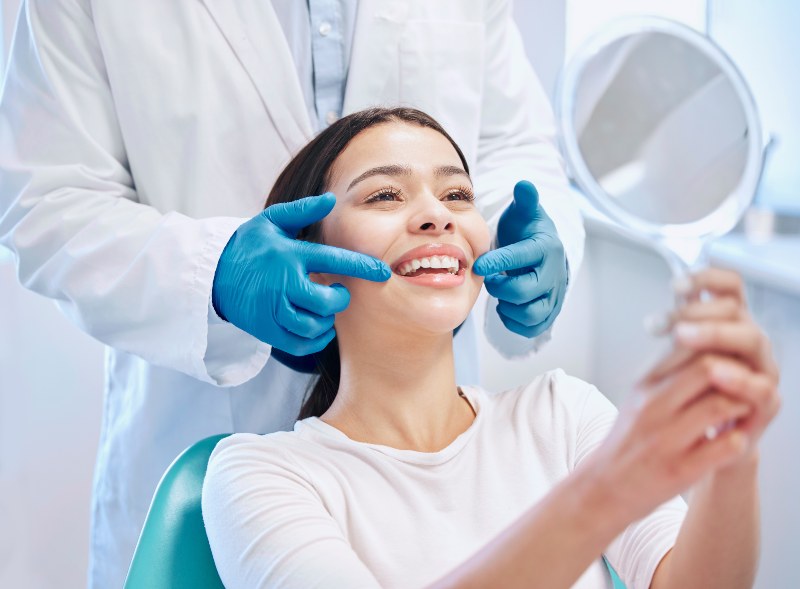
[{"x": 51, "y": 374}]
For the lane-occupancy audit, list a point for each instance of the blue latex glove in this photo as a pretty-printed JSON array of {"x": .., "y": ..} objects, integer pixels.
[
  {"x": 532, "y": 256},
  {"x": 261, "y": 284}
]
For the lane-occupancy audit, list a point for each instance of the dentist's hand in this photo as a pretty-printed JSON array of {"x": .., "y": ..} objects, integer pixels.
[
  {"x": 261, "y": 284},
  {"x": 532, "y": 256}
]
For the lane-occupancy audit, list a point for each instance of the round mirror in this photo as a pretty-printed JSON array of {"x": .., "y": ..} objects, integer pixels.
[{"x": 661, "y": 132}]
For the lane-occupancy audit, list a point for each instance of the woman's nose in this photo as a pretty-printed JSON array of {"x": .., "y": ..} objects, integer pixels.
[{"x": 433, "y": 217}]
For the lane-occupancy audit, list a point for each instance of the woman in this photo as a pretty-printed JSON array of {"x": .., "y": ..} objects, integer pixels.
[{"x": 396, "y": 477}]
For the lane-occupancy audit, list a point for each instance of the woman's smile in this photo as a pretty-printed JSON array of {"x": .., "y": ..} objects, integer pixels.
[{"x": 440, "y": 265}]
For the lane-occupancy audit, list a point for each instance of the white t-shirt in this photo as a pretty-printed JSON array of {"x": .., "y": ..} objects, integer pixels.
[{"x": 312, "y": 508}]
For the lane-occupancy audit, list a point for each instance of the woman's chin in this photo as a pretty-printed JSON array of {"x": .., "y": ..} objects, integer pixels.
[{"x": 433, "y": 322}]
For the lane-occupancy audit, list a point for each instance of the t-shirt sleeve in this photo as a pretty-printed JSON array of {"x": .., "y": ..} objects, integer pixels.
[
  {"x": 636, "y": 552},
  {"x": 268, "y": 527}
]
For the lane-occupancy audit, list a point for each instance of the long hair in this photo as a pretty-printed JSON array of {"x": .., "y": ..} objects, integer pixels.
[{"x": 308, "y": 174}]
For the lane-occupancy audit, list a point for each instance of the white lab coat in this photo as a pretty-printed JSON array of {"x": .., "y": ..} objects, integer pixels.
[{"x": 136, "y": 136}]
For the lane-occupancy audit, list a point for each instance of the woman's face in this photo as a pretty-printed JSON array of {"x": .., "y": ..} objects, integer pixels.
[{"x": 402, "y": 195}]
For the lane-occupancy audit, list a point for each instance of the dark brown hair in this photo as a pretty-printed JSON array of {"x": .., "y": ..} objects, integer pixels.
[{"x": 309, "y": 174}]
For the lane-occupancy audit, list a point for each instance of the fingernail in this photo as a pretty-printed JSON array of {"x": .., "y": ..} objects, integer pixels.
[
  {"x": 682, "y": 285},
  {"x": 687, "y": 332},
  {"x": 657, "y": 323}
]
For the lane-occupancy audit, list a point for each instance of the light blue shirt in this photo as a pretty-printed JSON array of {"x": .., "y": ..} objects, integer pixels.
[{"x": 320, "y": 37}]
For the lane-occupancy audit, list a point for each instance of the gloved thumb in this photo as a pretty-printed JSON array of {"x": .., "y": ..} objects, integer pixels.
[
  {"x": 526, "y": 199},
  {"x": 293, "y": 216}
]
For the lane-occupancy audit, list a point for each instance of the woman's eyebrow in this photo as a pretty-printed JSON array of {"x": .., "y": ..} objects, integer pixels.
[
  {"x": 450, "y": 171},
  {"x": 395, "y": 170},
  {"x": 382, "y": 171}
]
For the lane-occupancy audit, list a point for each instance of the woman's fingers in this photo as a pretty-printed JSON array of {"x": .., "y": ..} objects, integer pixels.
[
  {"x": 739, "y": 338},
  {"x": 726, "y": 308},
  {"x": 759, "y": 390},
  {"x": 716, "y": 281},
  {"x": 707, "y": 393},
  {"x": 708, "y": 455},
  {"x": 711, "y": 412},
  {"x": 681, "y": 386}
]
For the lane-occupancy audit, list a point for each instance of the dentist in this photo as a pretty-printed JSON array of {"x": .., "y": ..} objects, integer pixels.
[{"x": 137, "y": 142}]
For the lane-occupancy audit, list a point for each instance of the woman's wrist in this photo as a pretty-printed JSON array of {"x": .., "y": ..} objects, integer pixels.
[
  {"x": 744, "y": 470},
  {"x": 601, "y": 506}
]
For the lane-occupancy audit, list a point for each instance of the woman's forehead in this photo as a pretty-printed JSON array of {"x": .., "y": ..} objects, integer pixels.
[{"x": 407, "y": 146}]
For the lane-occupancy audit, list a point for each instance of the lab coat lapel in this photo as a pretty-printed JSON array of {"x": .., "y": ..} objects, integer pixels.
[
  {"x": 374, "y": 75},
  {"x": 256, "y": 37}
]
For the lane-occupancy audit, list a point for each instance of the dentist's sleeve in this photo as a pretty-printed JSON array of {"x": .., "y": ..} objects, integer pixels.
[
  {"x": 134, "y": 278},
  {"x": 518, "y": 142}
]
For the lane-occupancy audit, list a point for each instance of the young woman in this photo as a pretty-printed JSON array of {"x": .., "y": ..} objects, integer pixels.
[{"x": 394, "y": 476}]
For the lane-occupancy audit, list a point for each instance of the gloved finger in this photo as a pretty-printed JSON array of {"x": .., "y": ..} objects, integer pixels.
[
  {"x": 517, "y": 289},
  {"x": 521, "y": 254},
  {"x": 531, "y": 313},
  {"x": 293, "y": 216},
  {"x": 335, "y": 260},
  {"x": 526, "y": 199},
  {"x": 318, "y": 298},
  {"x": 301, "y": 322},
  {"x": 523, "y": 330},
  {"x": 301, "y": 346}
]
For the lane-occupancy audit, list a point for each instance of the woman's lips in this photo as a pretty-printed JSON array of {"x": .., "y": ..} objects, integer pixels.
[
  {"x": 440, "y": 278},
  {"x": 439, "y": 265},
  {"x": 430, "y": 250}
]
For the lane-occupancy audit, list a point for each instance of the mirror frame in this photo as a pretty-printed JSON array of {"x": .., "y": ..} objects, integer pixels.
[{"x": 724, "y": 217}]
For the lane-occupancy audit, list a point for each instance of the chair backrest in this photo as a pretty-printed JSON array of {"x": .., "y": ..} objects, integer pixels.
[{"x": 173, "y": 550}]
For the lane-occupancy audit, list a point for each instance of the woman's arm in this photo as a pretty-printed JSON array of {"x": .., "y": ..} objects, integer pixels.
[
  {"x": 720, "y": 373},
  {"x": 718, "y": 543},
  {"x": 551, "y": 545}
]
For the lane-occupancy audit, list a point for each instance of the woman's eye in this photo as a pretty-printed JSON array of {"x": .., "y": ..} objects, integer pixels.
[
  {"x": 385, "y": 196},
  {"x": 460, "y": 195}
]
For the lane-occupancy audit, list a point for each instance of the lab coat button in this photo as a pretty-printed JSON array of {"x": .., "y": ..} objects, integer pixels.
[
  {"x": 324, "y": 29},
  {"x": 331, "y": 117}
]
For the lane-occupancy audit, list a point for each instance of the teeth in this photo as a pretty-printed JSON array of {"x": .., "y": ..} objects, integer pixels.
[{"x": 448, "y": 262}]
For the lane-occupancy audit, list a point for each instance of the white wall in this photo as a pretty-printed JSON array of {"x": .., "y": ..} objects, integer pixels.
[
  {"x": 51, "y": 383},
  {"x": 50, "y": 410}
]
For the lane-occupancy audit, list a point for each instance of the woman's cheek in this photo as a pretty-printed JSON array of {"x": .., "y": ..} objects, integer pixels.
[{"x": 480, "y": 238}]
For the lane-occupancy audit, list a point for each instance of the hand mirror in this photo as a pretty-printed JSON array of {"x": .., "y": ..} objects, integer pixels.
[{"x": 661, "y": 132}]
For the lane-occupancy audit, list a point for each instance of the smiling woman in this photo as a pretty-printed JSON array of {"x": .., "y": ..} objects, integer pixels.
[
  {"x": 403, "y": 164},
  {"x": 395, "y": 476}
]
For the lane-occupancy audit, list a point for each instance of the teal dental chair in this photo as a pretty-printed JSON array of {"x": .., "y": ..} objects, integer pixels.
[{"x": 173, "y": 550}]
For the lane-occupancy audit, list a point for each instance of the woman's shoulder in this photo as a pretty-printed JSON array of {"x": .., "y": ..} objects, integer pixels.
[
  {"x": 553, "y": 391},
  {"x": 248, "y": 442},
  {"x": 244, "y": 452}
]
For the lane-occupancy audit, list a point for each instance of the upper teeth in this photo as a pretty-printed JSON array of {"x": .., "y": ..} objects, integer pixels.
[{"x": 433, "y": 262}]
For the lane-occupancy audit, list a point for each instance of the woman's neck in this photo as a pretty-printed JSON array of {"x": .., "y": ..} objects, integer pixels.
[{"x": 398, "y": 390}]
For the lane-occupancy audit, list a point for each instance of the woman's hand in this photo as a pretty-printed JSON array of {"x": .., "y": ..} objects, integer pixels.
[
  {"x": 702, "y": 408},
  {"x": 746, "y": 369}
]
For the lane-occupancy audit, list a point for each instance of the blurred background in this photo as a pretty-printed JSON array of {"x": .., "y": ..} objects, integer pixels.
[{"x": 51, "y": 374}]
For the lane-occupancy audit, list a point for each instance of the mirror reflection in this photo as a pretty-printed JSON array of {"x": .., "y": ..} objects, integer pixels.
[{"x": 661, "y": 128}]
